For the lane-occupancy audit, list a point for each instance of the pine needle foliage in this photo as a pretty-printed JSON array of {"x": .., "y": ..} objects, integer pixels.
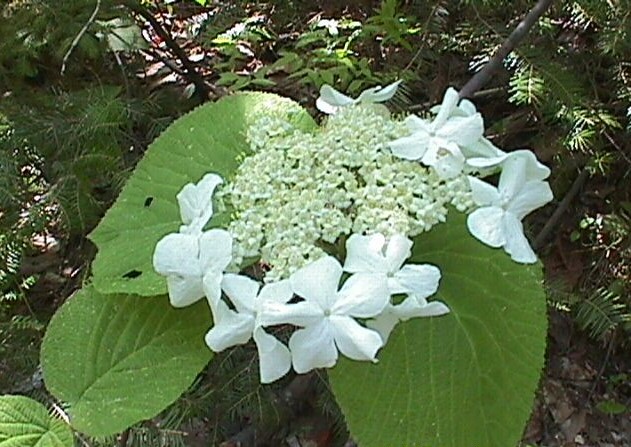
[{"x": 601, "y": 313}]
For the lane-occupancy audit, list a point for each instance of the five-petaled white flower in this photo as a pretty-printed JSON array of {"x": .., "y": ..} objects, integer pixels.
[
  {"x": 330, "y": 100},
  {"x": 370, "y": 254},
  {"x": 327, "y": 315},
  {"x": 238, "y": 327},
  {"x": 498, "y": 222},
  {"x": 438, "y": 143},
  {"x": 186, "y": 259}
]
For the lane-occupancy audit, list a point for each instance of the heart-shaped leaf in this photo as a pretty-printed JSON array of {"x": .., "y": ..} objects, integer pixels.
[
  {"x": 118, "y": 359},
  {"x": 464, "y": 379},
  {"x": 211, "y": 138},
  {"x": 25, "y": 422}
]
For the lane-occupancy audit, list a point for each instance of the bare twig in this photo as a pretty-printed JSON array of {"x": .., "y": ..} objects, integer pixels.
[
  {"x": 483, "y": 76},
  {"x": 201, "y": 87},
  {"x": 551, "y": 224},
  {"x": 78, "y": 37}
]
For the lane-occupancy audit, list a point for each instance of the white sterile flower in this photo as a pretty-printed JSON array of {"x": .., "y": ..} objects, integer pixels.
[
  {"x": 238, "y": 327},
  {"x": 195, "y": 201},
  {"x": 185, "y": 259},
  {"x": 370, "y": 254},
  {"x": 438, "y": 143},
  {"x": 498, "y": 222},
  {"x": 330, "y": 100},
  {"x": 411, "y": 307},
  {"x": 328, "y": 315},
  {"x": 534, "y": 170}
]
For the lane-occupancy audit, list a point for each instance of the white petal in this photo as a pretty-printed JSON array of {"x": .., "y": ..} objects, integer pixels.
[
  {"x": 449, "y": 163},
  {"x": 274, "y": 357},
  {"x": 534, "y": 169},
  {"x": 484, "y": 149},
  {"x": 215, "y": 249},
  {"x": 280, "y": 292},
  {"x": 412, "y": 147},
  {"x": 318, "y": 281},
  {"x": 462, "y": 130},
  {"x": 485, "y": 224},
  {"x": 177, "y": 254},
  {"x": 363, "y": 295},
  {"x": 241, "y": 290},
  {"x": 397, "y": 251},
  {"x": 195, "y": 201},
  {"x": 365, "y": 254},
  {"x": 184, "y": 290},
  {"x": 353, "y": 340},
  {"x": 486, "y": 162},
  {"x": 420, "y": 280},
  {"x": 482, "y": 192},
  {"x": 304, "y": 313},
  {"x": 330, "y": 100},
  {"x": 230, "y": 329},
  {"x": 516, "y": 243},
  {"x": 378, "y": 94},
  {"x": 513, "y": 176},
  {"x": 384, "y": 323},
  {"x": 212, "y": 286},
  {"x": 450, "y": 100},
  {"x": 416, "y": 124},
  {"x": 467, "y": 107},
  {"x": 313, "y": 347},
  {"x": 533, "y": 195},
  {"x": 411, "y": 307}
]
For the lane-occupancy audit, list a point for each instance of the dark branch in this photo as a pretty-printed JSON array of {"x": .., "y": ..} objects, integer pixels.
[
  {"x": 483, "y": 76},
  {"x": 201, "y": 88},
  {"x": 552, "y": 223}
]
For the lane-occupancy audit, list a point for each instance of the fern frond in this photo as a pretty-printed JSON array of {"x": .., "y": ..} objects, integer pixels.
[{"x": 601, "y": 312}]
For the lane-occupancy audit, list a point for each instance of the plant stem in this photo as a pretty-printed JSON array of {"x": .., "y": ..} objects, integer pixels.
[
  {"x": 201, "y": 88},
  {"x": 483, "y": 76}
]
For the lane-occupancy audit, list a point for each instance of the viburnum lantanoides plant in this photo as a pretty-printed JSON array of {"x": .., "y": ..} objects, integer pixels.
[{"x": 358, "y": 228}]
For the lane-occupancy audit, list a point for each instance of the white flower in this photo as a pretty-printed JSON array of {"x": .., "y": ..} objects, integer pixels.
[
  {"x": 498, "y": 222},
  {"x": 330, "y": 25},
  {"x": 327, "y": 315},
  {"x": 369, "y": 254},
  {"x": 438, "y": 143},
  {"x": 234, "y": 328},
  {"x": 411, "y": 307},
  {"x": 330, "y": 100},
  {"x": 186, "y": 258},
  {"x": 534, "y": 170},
  {"x": 195, "y": 201}
]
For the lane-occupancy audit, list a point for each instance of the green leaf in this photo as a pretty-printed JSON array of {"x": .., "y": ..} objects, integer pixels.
[
  {"x": 464, "y": 379},
  {"x": 118, "y": 359},
  {"x": 209, "y": 139},
  {"x": 25, "y": 422}
]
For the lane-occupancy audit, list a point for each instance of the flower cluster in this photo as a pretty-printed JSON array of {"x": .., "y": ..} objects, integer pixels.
[
  {"x": 330, "y": 214},
  {"x": 195, "y": 261}
]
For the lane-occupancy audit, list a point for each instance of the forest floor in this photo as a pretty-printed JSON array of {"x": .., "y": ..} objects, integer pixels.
[{"x": 585, "y": 392}]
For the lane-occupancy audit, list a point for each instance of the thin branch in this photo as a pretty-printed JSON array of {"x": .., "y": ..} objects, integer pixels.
[
  {"x": 78, "y": 37},
  {"x": 552, "y": 223},
  {"x": 483, "y": 76},
  {"x": 201, "y": 87}
]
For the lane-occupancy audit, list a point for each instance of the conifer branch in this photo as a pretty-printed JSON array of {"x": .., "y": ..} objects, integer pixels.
[{"x": 483, "y": 76}]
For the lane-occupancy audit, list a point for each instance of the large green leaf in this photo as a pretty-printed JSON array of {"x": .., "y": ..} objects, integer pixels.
[
  {"x": 465, "y": 379},
  {"x": 118, "y": 359},
  {"x": 209, "y": 139},
  {"x": 25, "y": 422}
]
